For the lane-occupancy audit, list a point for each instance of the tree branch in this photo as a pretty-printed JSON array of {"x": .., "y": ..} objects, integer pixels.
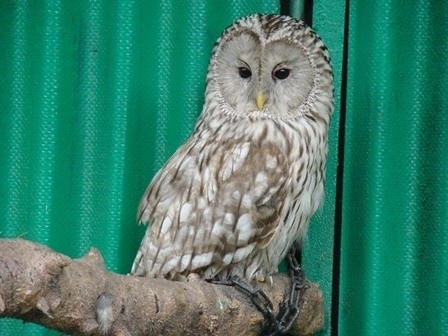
[{"x": 48, "y": 288}]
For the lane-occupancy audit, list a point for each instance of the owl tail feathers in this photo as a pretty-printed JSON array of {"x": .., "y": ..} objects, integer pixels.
[{"x": 138, "y": 268}]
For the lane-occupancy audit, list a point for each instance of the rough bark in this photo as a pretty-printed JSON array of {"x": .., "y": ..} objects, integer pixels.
[{"x": 48, "y": 288}]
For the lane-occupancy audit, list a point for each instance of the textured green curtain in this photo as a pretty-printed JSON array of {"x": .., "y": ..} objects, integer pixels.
[
  {"x": 394, "y": 255},
  {"x": 96, "y": 95}
]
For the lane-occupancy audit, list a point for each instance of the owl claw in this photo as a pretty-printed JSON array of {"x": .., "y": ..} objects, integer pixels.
[
  {"x": 274, "y": 325},
  {"x": 258, "y": 297}
]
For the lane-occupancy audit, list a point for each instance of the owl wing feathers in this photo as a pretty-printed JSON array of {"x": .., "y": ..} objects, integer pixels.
[{"x": 212, "y": 205}]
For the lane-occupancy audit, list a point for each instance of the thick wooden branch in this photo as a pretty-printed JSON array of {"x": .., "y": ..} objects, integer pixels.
[{"x": 48, "y": 288}]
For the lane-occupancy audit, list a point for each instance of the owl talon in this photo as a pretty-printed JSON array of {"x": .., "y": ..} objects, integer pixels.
[
  {"x": 261, "y": 301},
  {"x": 258, "y": 297}
]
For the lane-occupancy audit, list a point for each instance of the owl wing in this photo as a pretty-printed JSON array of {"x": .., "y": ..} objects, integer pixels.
[{"x": 212, "y": 205}]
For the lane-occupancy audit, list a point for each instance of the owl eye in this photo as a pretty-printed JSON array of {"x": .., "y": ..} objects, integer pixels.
[
  {"x": 244, "y": 72},
  {"x": 281, "y": 73}
]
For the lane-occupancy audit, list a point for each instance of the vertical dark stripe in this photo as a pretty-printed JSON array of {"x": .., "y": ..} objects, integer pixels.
[
  {"x": 285, "y": 7},
  {"x": 308, "y": 12},
  {"x": 339, "y": 182}
]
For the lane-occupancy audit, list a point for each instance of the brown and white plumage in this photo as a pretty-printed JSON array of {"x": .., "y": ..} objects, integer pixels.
[{"x": 237, "y": 194}]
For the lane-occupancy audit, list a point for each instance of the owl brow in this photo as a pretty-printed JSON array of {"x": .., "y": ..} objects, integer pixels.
[
  {"x": 282, "y": 65},
  {"x": 247, "y": 65}
]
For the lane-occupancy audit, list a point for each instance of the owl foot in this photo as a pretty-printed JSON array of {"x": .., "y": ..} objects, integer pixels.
[{"x": 272, "y": 325}]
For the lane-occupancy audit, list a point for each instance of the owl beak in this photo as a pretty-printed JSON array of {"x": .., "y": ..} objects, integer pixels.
[{"x": 261, "y": 99}]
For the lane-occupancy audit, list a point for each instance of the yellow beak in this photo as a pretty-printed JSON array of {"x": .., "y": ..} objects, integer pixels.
[{"x": 260, "y": 100}]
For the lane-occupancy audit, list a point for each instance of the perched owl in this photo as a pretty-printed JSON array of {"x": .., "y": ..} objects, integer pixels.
[{"x": 241, "y": 190}]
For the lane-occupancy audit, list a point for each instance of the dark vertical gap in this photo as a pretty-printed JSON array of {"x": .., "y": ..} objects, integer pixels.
[
  {"x": 307, "y": 17},
  {"x": 340, "y": 182},
  {"x": 285, "y": 7},
  {"x": 308, "y": 12}
]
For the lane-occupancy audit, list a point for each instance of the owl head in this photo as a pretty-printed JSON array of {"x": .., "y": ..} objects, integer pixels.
[{"x": 271, "y": 66}]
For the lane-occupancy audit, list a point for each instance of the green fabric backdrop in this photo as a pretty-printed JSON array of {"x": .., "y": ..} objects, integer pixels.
[
  {"x": 96, "y": 95},
  {"x": 394, "y": 255}
]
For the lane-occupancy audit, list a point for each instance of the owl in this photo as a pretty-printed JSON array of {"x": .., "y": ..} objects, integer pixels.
[{"x": 240, "y": 191}]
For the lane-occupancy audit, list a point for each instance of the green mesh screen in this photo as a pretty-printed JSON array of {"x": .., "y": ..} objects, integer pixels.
[
  {"x": 394, "y": 252},
  {"x": 96, "y": 95}
]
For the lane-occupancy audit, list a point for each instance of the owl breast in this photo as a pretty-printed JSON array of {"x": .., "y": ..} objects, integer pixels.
[
  {"x": 232, "y": 206},
  {"x": 306, "y": 156}
]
